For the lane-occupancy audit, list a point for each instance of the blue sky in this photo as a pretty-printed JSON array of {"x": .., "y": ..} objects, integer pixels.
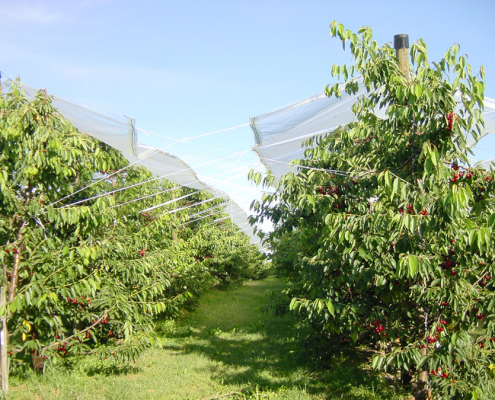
[{"x": 184, "y": 68}]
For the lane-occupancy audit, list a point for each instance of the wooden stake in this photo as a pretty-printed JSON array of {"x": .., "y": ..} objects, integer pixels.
[
  {"x": 4, "y": 335},
  {"x": 401, "y": 46}
]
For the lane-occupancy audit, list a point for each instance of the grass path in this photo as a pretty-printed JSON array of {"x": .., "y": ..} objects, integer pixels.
[{"x": 225, "y": 349}]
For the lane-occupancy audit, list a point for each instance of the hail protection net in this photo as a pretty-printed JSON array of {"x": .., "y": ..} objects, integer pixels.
[
  {"x": 115, "y": 130},
  {"x": 120, "y": 133},
  {"x": 169, "y": 167},
  {"x": 279, "y": 134}
]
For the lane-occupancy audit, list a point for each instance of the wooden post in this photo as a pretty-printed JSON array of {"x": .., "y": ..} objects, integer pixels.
[
  {"x": 401, "y": 46},
  {"x": 4, "y": 335}
]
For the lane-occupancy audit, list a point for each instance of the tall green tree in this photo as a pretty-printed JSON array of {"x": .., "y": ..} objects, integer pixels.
[{"x": 387, "y": 236}]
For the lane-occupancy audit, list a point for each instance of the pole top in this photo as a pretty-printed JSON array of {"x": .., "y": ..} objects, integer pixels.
[{"x": 401, "y": 41}]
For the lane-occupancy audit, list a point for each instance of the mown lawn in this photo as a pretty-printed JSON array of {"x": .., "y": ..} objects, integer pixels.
[{"x": 225, "y": 349}]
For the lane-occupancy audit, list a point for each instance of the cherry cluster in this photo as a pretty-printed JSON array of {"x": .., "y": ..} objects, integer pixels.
[
  {"x": 431, "y": 340},
  {"x": 479, "y": 192},
  {"x": 14, "y": 250},
  {"x": 439, "y": 373},
  {"x": 378, "y": 327},
  {"x": 328, "y": 190},
  {"x": 82, "y": 302},
  {"x": 469, "y": 174},
  {"x": 456, "y": 177},
  {"x": 448, "y": 262},
  {"x": 450, "y": 121},
  {"x": 62, "y": 351}
]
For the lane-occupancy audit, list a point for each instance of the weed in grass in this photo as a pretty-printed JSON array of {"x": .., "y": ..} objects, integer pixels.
[{"x": 170, "y": 328}]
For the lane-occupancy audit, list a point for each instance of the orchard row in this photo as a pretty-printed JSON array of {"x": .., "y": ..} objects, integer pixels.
[{"x": 91, "y": 276}]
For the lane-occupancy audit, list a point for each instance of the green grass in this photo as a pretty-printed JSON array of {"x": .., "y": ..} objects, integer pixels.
[{"x": 225, "y": 349}]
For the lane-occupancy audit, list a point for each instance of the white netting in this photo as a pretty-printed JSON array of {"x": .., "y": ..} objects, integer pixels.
[
  {"x": 113, "y": 129},
  {"x": 119, "y": 132},
  {"x": 168, "y": 166},
  {"x": 280, "y": 133}
]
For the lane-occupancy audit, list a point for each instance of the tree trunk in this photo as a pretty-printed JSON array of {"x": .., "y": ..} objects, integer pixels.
[
  {"x": 422, "y": 391},
  {"x": 422, "y": 383},
  {"x": 14, "y": 278},
  {"x": 4, "y": 369}
]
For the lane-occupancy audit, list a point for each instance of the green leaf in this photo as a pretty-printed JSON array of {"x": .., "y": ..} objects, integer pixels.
[
  {"x": 363, "y": 253},
  {"x": 491, "y": 221},
  {"x": 330, "y": 307},
  {"x": 413, "y": 265},
  {"x": 418, "y": 90},
  {"x": 396, "y": 186}
]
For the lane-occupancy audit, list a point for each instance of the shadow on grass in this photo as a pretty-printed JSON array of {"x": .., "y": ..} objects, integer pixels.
[
  {"x": 265, "y": 353},
  {"x": 113, "y": 370}
]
